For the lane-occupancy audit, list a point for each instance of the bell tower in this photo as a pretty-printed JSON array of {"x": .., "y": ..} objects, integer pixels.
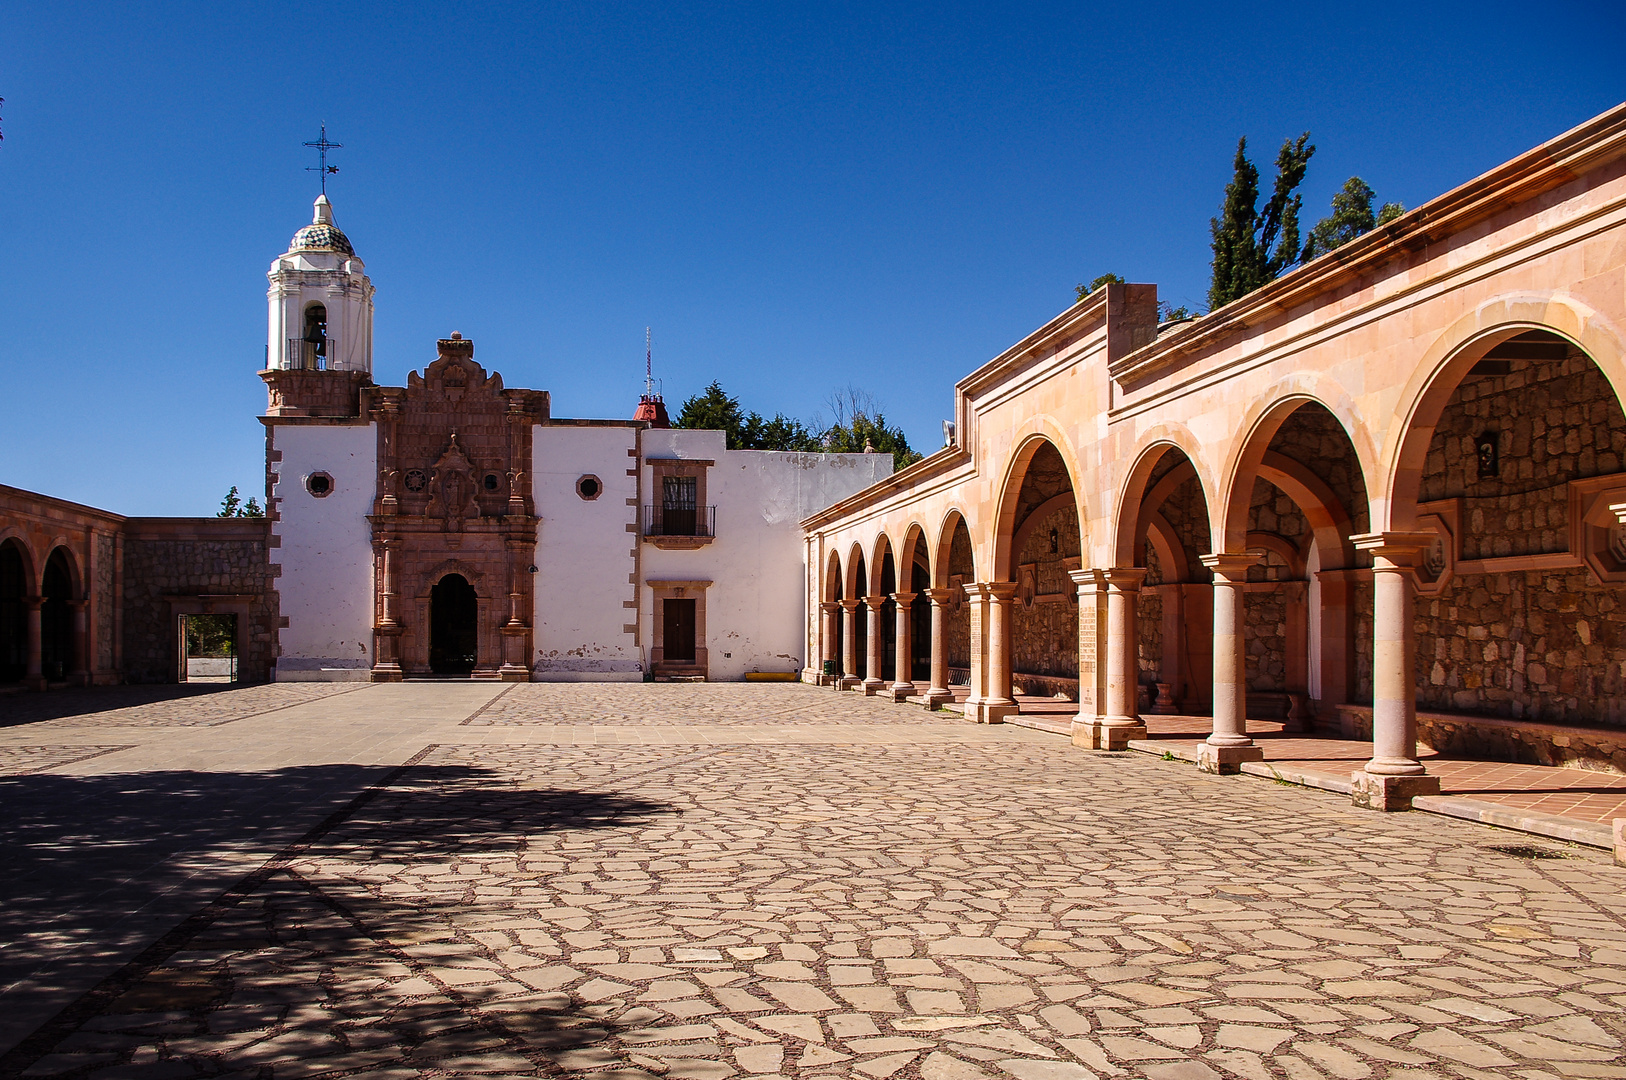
[{"x": 319, "y": 344}]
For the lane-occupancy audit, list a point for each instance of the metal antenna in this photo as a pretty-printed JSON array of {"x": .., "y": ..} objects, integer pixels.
[
  {"x": 322, "y": 147},
  {"x": 649, "y": 367}
]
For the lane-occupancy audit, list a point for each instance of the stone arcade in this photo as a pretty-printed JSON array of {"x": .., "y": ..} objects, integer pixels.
[{"x": 1394, "y": 477}]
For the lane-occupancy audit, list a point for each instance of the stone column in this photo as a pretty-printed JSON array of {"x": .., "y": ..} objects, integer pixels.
[
  {"x": 849, "y": 646},
  {"x": 939, "y": 691},
  {"x": 1087, "y": 723},
  {"x": 387, "y": 635},
  {"x": 1228, "y": 745},
  {"x": 80, "y": 675},
  {"x": 903, "y": 683},
  {"x": 992, "y": 685},
  {"x": 875, "y": 642},
  {"x": 515, "y": 631},
  {"x": 829, "y": 612},
  {"x": 1121, "y": 720},
  {"x": 35, "y": 678},
  {"x": 1394, "y": 776}
]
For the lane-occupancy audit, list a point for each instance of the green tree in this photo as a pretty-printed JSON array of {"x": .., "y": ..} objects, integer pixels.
[
  {"x": 713, "y": 410},
  {"x": 859, "y": 427},
  {"x": 1081, "y": 291},
  {"x": 232, "y": 506},
  {"x": 1253, "y": 246},
  {"x": 1351, "y": 216}
]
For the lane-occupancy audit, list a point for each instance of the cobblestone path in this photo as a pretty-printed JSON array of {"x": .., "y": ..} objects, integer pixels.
[{"x": 997, "y": 905}]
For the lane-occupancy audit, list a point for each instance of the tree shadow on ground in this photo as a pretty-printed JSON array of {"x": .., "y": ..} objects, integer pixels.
[
  {"x": 31, "y": 708},
  {"x": 266, "y": 964}
]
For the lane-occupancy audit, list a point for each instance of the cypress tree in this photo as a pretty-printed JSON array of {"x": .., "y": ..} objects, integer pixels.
[{"x": 1251, "y": 245}]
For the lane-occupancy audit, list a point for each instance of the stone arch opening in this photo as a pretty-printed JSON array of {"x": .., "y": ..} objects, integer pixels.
[
  {"x": 953, "y": 569},
  {"x": 1173, "y": 662},
  {"x": 916, "y": 579},
  {"x": 453, "y": 626},
  {"x": 885, "y": 627},
  {"x": 1513, "y": 456},
  {"x": 1295, "y": 501},
  {"x": 856, "y": 642},
  {"x": 15, "y": 585},
  {"x": 1040, "y": 542},
  {"x": 56, "y": 617}
]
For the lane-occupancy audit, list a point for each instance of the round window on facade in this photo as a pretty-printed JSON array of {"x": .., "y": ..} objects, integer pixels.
[
  {"x": 319, "y": 484},
  {"x": 589, "y": 487},
  {"x": 492, "y": 481}
]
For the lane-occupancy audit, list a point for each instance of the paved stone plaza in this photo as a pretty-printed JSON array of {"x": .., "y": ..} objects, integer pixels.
[{"x": 741, "y": 880}]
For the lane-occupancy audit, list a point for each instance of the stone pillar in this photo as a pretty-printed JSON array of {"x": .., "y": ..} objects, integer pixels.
[
  {"x": 829, "y": 612},
  {"x": 903, "y": 683},
  {"x": 991, "y": 655},
  {"x": 515, "y": 631},
  {"x": 35, "y": 678},
  {"x": 1087, "y": 722},
  {"x": 1394, "y": 776},
  {"x": 80, "y": 675},
  {"x": 849, "y": 649},
  {"x": 387, "y": 635},
  {"x": 875, "y": 642},
  {"x": 939, "y": 691},
  {"x": 1120, "y": 720},
  {"x": 1228, "y": 745}
]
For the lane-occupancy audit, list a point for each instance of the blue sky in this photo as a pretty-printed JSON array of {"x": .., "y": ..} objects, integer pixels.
[{"x": 796, "y": 197}]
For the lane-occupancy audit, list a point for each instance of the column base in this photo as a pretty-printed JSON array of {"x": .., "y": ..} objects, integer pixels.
[
  {"x": 936, "y": 696},
  {"x": 848, "y": 682},
  {"x": 1225, "y": 760},
  {"x": 1373, "y": 792},
  {"x": 1097, "y": 734},
  {"x": 873, "y": 686},
  {"x": 513, "y": 673},
  {"x": 385, "y": 673},
  {"x": 900, "y": 691},
  {"x": 990, "y": 712}
]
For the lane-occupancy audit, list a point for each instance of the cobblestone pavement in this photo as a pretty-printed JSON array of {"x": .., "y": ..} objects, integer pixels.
[
  {"x": 187, "y": 705},
  {"x": 1001, "y": 905}
]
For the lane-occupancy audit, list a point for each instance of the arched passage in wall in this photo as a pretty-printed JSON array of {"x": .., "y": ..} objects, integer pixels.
[
  {"x": 16, "y": 582},
  {"x": 1296, "y": 497},
  {"x": 57, "y": 595},
  {"x": 1038, "y": 541},
  {"x": 1512, "y": 455},
  {"x": 954, "y": 567},
  {"x": 1164, "y": 530},
  {"x": 915, "y": 578},
  {"x": 857, "y": 586},
  {"x": 885, "y": 584},
  {"x": 831, "y": 593}
]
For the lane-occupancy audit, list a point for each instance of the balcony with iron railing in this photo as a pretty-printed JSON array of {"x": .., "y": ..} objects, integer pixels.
[
  {"x": 306, "y": 355},
  {"x": 679, "y": 526}
]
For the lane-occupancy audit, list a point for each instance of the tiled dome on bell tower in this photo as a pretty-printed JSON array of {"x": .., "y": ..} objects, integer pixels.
[{"x": 321, "y": 302}]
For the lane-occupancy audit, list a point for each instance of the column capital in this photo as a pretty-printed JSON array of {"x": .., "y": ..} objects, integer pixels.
[
  {"x": 1085, "y": 578},
  {"x": 1394, "y": 551},
  {"x": 903, "y": 599},
  {"x": 829, "y": 607},
  {"x": 848, "y": 606},
  {"x": 33, "y": 603},
  {"x": 876, "y": 601},
  {"x": 1124, "y": 578},
  {"x": 1233, "y": 567},
  {"x": 938, "y": 596},
  {"x": 1000, "y": 591}
]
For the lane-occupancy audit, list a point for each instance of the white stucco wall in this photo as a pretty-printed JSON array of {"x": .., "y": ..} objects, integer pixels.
[
  {"x": 325, "y": 551},
  {"x": 755, "y": 607},
  {"x": 585, "y": 555}
]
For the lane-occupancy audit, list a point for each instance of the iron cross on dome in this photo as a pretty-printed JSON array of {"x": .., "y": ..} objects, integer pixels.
[{"x": 323, "y": 145}]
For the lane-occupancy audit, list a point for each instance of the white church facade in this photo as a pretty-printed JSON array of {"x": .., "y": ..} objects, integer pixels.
[{"x": 455, "y": 527}]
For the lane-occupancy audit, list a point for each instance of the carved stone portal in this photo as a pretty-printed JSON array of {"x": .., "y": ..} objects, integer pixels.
[{"x": 461, "y": 445}]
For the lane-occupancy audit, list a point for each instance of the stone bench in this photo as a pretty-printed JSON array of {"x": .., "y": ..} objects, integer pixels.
[{"x": 1522, "y": 742}]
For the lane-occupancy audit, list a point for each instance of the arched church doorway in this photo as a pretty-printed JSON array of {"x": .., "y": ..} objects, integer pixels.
[
  {"x": 56, "y": 618},
  {"x": 13, "y": 614},
  {"x": 453, "y": 626}
]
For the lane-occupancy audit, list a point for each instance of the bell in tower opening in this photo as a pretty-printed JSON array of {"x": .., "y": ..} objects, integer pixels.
[{"x": 314, "y": 356}]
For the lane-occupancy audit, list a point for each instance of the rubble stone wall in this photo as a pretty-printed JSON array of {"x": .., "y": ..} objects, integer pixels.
[{"x": 177, "y": 566}]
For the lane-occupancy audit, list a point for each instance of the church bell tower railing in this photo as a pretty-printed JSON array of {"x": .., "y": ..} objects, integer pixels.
[{"x": 306, "y": 355}]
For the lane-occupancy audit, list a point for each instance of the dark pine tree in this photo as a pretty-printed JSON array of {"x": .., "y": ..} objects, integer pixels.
[{"x": 1253, "y": 246}]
